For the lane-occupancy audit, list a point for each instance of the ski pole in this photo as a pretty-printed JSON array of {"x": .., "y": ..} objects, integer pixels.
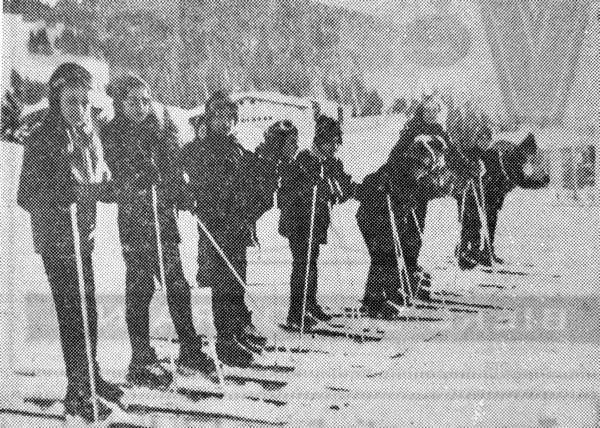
[
  {"x": 461, "y": 216},
  {"x": 416, "y": 220},
  {"x": 399, "y": 253},
  {"x": 84, "y": 313},
  {"x": 337, "y": 258},
  {"x": 223, "y": 255},
  {"x": 308, "y": 257},
  {"x": 161, "y": 266},
  {"x": 484, "y": 224},
  {"x": 163, "y": 284}
]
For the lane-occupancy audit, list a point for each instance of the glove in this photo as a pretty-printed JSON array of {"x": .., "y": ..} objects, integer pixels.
[
  {"x": 474, "y": 170},
  {"x": 148, "y": 176},
  {"x": 385, "y": 184},
  {"x": 356, "y": 189}
]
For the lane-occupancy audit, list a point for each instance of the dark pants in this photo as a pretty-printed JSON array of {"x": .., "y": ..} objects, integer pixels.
[
  {"x": 299, "y": 247},
  {"x": 230, "y": 313},
  {"x": 64, "y": 283},
  {"x": 410, "y": 238},
  {"x": 470, "y": 239},
  {"x": 383, "y": 280},
  {"x": 142, "y": 267},
  {"x": 203, "y": 275}
]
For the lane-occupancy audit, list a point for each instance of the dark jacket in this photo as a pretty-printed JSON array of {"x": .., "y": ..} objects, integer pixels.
[
  {"x": 294, "y": 197},
  {"x": 53, "y": 153},
  {"x": 231, "y": 187},
  {"x": 456, "y": 159},
  {"x": 395, "y": 178},
  {"x": 140, "y": 156},
  {"x": 373, "y": 213}
]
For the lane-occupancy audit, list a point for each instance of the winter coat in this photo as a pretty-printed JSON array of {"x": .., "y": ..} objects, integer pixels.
[
  {"x": 61, "y": 166},
  {"x": 295, "y": 195},
  {"x": 141, "y": 156},
  {"x": 373, "y": 215},
  {"x": 394, "y": 178},
  {"x": 231, "y": 187},
  {"x": 455, "y": 158}
]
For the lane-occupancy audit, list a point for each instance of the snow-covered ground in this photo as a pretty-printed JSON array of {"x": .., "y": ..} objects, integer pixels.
[{"x": 532, "y": 363}]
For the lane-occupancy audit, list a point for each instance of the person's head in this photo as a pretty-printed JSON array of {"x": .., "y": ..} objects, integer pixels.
[
  {"x": 328, "y": 136},
  {"x": 131, "y": 97},
  {"x": 221, "y": 114},
  {"x": 422, "y": 167},
  {"x": 281, "y": 140},
  {"x": 483, "y": 137},
  {"x": 69, "y": 94},
  {"x": 428, "y": 110},
  {"x": 198, "y": 125},
  {"x": 526, "y": 166}
]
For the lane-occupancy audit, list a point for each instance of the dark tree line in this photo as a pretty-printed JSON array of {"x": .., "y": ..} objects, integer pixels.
[{"x": 187, "y": 48}]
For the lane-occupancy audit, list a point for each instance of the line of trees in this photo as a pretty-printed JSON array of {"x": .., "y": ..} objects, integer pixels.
[{"x": 186, "y": 48}]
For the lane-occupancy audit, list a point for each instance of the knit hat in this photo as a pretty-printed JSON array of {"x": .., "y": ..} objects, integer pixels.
[
  {"x": 66, "y": 74},
  {"x": 275, "y": 136},
  {"x": 220, "y": 99},
  {"x": 326, "y": 129},
  {"x": 119, "y": 86}
]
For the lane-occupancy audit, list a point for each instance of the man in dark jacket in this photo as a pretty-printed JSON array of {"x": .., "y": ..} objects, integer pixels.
[
  {"x": 63, "y": 164},
  {"x": 141, "y": 148},
  {"x": 316, "y": 167},
  {"x": 231, "y": 188}
]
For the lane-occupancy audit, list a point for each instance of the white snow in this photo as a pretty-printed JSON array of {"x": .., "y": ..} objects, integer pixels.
[{"x": 546, "y": 375}]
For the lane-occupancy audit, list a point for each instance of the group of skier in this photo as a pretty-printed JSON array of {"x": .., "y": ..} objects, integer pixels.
[{"x": 135, "y": 161}]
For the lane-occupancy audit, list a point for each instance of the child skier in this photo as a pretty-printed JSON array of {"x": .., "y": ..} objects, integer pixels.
[
  {"x": 295, "y": 198},
  {"x": 62, "y": 165},
  {"x": 231, "y": 188},
  {"x": 397, "y": 195},
  {"x": 141, "y": 150}
]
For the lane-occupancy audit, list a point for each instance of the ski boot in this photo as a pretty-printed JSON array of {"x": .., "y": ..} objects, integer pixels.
[
  {"x": 398, "y": 300},
  {"x": 381, "y": 309},
  {"x": 193, "y": 361},
  {"x": 467, "y": 260},
  {"x": 294, "y": 323},
  {"x": 232, "y": 353},
  {"x": 317, "y": 312},
  {"x": 108, "y": 390},
  {"x": 420, "y": 283},
  {"x": 252, "y": 335},
  {"x": 485, "y": 255},
  {"x": 146, "y": 371},
  {"x": 79, "y": 408},
  {"x": 497, "y": 259}
]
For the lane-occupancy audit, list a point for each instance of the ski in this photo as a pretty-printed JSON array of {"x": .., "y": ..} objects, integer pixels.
[
  {"x": 53, "y": 409},
  {"x": 43, "y": 398},
  {"x": 201, "y": 404},
  {"x": 459, "y": 306},
  {"x": 43, "y": 409},
  {"x": 264, "y": 372},
  {"x": 514, "y": 270},
  {"x": 336, "y": 330},
  {"x": 503, "y": 271},
  {"x": 293, "y": 349}
]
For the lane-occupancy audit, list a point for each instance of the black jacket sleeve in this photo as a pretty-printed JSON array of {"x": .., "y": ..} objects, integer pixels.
[{"x": 45, "y": 173}]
